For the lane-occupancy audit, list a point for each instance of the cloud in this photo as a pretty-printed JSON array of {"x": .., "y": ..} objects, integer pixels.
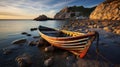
[
  {"x": 33, "y": 8},
  {"x": 28, "y": 7},
  {"x": 10, "y": 14}
]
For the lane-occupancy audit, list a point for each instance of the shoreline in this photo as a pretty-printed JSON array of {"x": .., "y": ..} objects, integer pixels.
[
  {"x": 86, "y": 24},
  {"x": 37, "y": 55}
]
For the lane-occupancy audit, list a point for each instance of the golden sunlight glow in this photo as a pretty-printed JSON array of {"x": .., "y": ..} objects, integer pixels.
[{"x": 15, "y": 17}]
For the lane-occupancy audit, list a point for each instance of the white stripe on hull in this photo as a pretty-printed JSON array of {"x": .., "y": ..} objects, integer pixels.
[
  {"x": 73, "y": 44},
  {"x": 70, "y": 41},
  {"x": 80, "y": 46},
  {"x": 78, "y": 49}
]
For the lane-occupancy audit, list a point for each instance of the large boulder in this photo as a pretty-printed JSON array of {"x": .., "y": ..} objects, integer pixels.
[
  {"x": 24, "y": 60},
  {"x": 108, "y": 10}
]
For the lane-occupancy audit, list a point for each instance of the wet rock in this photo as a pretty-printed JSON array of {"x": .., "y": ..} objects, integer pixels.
[
  {"x": 7, "y": 51},
  {"x": 28, "y": 34},
  {"x": 37, "y": 43},
  {"x": 32, "y": 43},
  {"x": 24, "y": 60},
  {"x": 19, "y": 41},
  {"x": 42, "y": 42},
  {"x": 33, "y": 29},
  {"x": 105, "y": 24},
  {"x": 95, "y": 26},
  {"x": 86, "y": 30},
  {"x": 108, "y": 29},
  {"x": 49, "y": 49},
  {"x": 24, "y": 33},
  {"x": 48, "y": 62},
  {"x": 90, "y": 26},
  {"x": 117, "y": 31}
]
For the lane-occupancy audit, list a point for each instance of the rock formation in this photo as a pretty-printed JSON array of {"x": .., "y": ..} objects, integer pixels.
[
  {"x": 110, "y": 10},
  {"x": 74, "y": 12},
  {"x": 42, "y": 18},
  {"x": 87, "y": 24},
  {"x": 62, "y": 14}
]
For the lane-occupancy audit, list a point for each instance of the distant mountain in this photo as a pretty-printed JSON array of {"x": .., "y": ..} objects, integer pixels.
[{"x": 74, "y": 12}]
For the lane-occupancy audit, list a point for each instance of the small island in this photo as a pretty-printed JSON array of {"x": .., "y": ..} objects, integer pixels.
[{"x": 42, "y": 18}]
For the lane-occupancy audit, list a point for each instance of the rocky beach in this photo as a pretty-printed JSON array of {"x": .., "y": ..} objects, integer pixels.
[
  {"x": 85, "y": 25},
  {"x": 36, "y": 52},
  {"x": 22, "y": 46}
]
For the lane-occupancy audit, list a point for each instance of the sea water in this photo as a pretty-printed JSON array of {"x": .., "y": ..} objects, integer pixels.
[{"x": 12, "y": 29}]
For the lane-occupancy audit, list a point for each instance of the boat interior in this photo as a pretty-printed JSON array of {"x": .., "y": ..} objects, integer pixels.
[{"x": 52, "y": 32}]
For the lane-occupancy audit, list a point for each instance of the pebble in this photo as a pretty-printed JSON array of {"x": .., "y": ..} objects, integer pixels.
[
  {"x": 117, "y": 31},
  {"x": 95, "y": 26},
  {"x": 32, "y": 43},
  {"x": 107, "y": 29},
  {"x": 38, "y": 44},
  {"x": 49, "y": 49},
  {"x": 48, "y": 62},
  {"x": 19, "y": 41}
]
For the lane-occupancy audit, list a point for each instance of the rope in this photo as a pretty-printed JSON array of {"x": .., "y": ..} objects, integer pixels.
[{"x": 97, "y": 49}]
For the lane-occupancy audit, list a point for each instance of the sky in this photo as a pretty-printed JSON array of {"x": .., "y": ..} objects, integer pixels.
[{"x": 29, "y": 9}]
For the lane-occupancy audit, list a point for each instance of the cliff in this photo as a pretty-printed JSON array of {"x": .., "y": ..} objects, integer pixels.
[
  {"x": 74, "y": 12},
  {"x": 110, "y": 10}
]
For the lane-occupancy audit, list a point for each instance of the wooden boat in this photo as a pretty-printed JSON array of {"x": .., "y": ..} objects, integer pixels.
[{"x": 75, "y": 42}]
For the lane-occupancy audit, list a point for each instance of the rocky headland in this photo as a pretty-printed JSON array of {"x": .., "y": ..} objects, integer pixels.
[
  {"x": 106, "y": 16},
  {"x": 74, "y": 12},
  {"x": 110, "y": 10}
]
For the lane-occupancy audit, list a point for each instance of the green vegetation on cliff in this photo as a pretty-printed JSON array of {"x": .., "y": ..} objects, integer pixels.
[
  {"x": 83, "y": 11},
  {"x": 74, "y": 12}
]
